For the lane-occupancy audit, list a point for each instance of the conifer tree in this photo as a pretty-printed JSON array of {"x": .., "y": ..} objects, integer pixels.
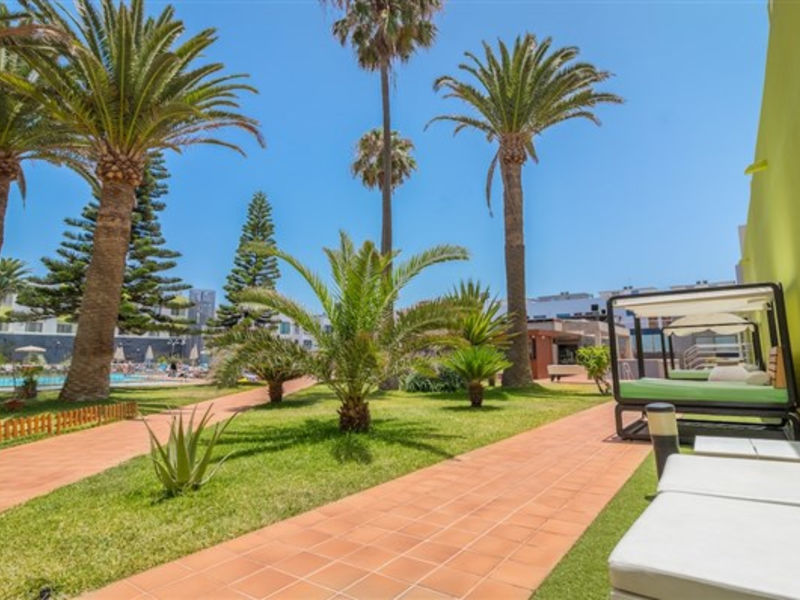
[
  {"x": 146, "y": 289},
  {"x": 250, "y": 267}
]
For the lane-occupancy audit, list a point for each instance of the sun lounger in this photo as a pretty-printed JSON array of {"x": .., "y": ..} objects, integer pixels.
[
  {"x": 688, "y": 546},
  {"x": 760, "y": 481},
  {"x": 747, "y": 448}
]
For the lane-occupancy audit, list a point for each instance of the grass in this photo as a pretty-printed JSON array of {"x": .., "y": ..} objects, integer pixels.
[
  {"x": 283, "y": 460},
  {"x": 583, "y": 572}
]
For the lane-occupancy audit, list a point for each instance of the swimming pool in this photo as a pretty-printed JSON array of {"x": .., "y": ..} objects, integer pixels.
[{"x": 58, "y": 380}]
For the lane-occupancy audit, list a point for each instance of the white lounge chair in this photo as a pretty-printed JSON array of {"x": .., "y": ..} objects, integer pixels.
[
  {"x": 747, "y": 448},
  {"x": 692, "y": 547}
]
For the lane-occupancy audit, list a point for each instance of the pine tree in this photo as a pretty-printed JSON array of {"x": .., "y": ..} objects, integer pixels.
[
  {"x": 251, "y": 269},
  {"x": 146, "y": 288}
]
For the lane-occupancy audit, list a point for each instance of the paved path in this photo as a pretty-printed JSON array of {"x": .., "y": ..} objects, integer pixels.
[
  {"x": 489, "y": 524},
  {"x": 34, "y": 469}
]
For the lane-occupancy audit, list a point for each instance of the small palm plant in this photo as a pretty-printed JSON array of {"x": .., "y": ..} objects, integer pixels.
[
  {"x": 181, "y": 464},
  {"x": 273, "y": 359},
  {"x": 368, "y": 164},
  {"x": 481, "y": 320},
  {"x": 366, "y": 343},
  {"x": 476, "y": 364}
]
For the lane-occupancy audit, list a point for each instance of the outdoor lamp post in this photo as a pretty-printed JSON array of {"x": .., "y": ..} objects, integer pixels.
[{"x": 663, "y": 426}]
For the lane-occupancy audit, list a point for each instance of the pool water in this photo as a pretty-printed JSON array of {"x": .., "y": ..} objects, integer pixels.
[{"x": 58, "y": 380}]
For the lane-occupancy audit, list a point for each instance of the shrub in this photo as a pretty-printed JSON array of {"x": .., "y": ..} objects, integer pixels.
[
  {"x": 180, "y": 464},
  {"x": 596, "y": 360},
  {"x": 474, "y": 364},
  {"x": 445, "y": 380}
]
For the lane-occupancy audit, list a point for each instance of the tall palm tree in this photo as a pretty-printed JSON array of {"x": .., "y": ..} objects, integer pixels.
[
  {"x": 368, "y": 164},
  {"x": 364, "y": 344},
  {"x": 382, "y": 32},
  {"x": 124, "y": 87},
  {"x": 516, "y": 96},
  {"x": 25, "y": 133}
]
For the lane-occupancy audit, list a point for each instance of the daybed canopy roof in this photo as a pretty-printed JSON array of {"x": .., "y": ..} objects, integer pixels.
[
  {"x": 701, "y": 302},
  {"x": 721, "y": 323}
]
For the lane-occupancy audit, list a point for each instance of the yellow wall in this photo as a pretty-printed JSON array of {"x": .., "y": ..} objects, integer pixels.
[{"x": 772, "y": 240}]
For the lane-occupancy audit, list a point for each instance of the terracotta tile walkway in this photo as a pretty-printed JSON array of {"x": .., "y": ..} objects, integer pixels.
[
  {"x": 488, "y": 524},
  {"x": 37, "y": 468}
]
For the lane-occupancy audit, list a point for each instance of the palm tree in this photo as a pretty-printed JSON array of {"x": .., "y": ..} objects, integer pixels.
[
  {"x": 13, "y": 276},
  {"x": 25, "y": 133},
  {"x": 364, "y": 344},
  {"x": 381, "y": 32},
  {"x": 273, "y": 359},
  {"x": 123, "y": 87},
  {"x": 517, "y": 96},
  {"x": 368, "y": 164},
  {"x": 475, "y": 364}
]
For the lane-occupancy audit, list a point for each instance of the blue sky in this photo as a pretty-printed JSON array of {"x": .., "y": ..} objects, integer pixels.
[{"x": 653, "y": 197}]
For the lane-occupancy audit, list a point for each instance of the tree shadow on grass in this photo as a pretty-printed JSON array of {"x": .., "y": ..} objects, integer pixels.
[
  {"x": 472, "y": 409},
  {"x": 264, "y": 440}
]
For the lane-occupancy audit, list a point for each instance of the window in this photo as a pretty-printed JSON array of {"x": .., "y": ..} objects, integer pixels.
[
  {"x": 3, "y": 326},
  {"x": 328, "y": 328},
  {"x": 34, "y": 327},
  {"x": 64, "y": 328},
  {"x": 595, "y": 307},
  {"x": 175, "y": 312},
  {"x": 285, "y": 328},
  {"x": 297, "y": 329},
  {"x": 533, "y": 348},
  {"x": 307, "y": 344}
]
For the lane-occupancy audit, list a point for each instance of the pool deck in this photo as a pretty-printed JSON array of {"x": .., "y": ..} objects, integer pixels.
[{"x": 34, "y": 469}]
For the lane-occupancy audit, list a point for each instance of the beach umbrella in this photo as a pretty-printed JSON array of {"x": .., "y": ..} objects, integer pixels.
[
  {"x": 148, "y": 355},
  {"x": 119, "y": 354},
  {"x": 31, "y": 350},
  {"x": 193, "y": 354}
]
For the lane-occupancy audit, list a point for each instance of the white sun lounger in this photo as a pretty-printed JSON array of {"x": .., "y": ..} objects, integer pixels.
[
  {"x": 754, "y": 480},
  {"x": 688, "y": 546},
  {"x": 747, "y": 448}
]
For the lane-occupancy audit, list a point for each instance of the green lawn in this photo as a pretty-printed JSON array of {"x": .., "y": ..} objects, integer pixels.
[
  {"x": 583, "y": 572},
  {"x": 284, "y": 460}
]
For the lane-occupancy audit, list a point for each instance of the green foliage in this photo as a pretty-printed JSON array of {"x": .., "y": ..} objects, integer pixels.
[
  {"x": 251, "y": 268},
  {"x": 476, "y": 363},
  {"x": 146, "y": 288},
  {"x": 481, "y": 320},
  {"x": 366, "y": 343},
  {"x": 181, "y": 464},
  {"x": 368, "y": 164},
  {"x": 445, "y": 380},
  {"x": 596, "y": 360},
  {"x": 273, "y": 359},
  {"x": 383, "y": 30},
  {"x": 13, "y": 276},
  {"x": 121, "y": 84},
  {"x": 29, "y": 388},
  {"x": 523, "y": 91}
]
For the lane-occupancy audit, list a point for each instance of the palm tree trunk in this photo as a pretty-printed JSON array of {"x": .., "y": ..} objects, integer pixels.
[
  {"x": 519, "y": 373},
  {"x": 5, "y": 186},
  {"x": 386, "y": 186},
  {"x": 88, "y": 377},
  {"x": 275, "y": 391},
  {"x": 476, "y": 394},
  {"x": 354, "y": 415}
]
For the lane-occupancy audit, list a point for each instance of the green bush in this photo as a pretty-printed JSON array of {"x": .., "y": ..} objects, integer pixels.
[
  {"x": 596, "y": 360},
  {"x": 180, "y": 464},
  {"x": 446, "y": 380},
  {"x": 475, "y": 364}
]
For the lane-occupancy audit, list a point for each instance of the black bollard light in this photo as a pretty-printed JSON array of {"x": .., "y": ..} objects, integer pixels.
[{"x": 663, "y": 426}]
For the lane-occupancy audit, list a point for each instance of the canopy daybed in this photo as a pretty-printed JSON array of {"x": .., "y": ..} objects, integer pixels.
[{"x": 726, "y": 310}]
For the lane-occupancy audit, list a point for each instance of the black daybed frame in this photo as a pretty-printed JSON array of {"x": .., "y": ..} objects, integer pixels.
[{"x": 786, "y": 415}]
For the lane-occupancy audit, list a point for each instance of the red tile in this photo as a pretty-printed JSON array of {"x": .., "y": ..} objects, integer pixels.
[
  {"x": 338, "y": 575},
  {"x": 264, "y": 582},
  {"x": 433, "y": 552},
  {"x": 377, "y": 587},
  {"x": 408, "y": 569},
  {"x": 302, "y": 564},
  {"x": 302, "y": 591},
  {"x": 450, "y": 581},
  {"x": 474, "y": 563}
]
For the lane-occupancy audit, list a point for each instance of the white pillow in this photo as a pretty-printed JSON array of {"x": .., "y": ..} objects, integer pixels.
[
  {"x": 728, "y": 373},
  {"x": 757, "y": 378}
]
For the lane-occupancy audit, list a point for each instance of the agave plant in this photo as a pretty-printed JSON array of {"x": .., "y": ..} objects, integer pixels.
[
  {"x": 475, "y": 364},
  {"x": 180, "y": 464}
]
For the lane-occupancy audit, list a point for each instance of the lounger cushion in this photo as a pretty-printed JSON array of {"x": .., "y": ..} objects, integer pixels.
[
  {"x": 777, "y": 449},
  {"x": 728, "y": 373},
  {"x": 709, "y": 445},
  {"x": 691, "y": 547},
  {"x": 756, "y": 480}
]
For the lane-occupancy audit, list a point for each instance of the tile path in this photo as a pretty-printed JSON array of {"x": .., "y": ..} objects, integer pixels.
[
  {"x": 488, "y": 524},
  {"x": 37, "y": 468}
]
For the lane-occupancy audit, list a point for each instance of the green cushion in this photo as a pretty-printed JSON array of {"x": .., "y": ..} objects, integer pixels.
[
  {"x": 694, "y": 374},
  {"x": 707, "y": 391}
]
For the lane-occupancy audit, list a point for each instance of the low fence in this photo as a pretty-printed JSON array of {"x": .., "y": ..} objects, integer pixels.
[{"x": 55, "y": 423}]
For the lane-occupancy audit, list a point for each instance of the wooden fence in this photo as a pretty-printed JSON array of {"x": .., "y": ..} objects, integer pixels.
[{"x": 50, "y": 423}]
